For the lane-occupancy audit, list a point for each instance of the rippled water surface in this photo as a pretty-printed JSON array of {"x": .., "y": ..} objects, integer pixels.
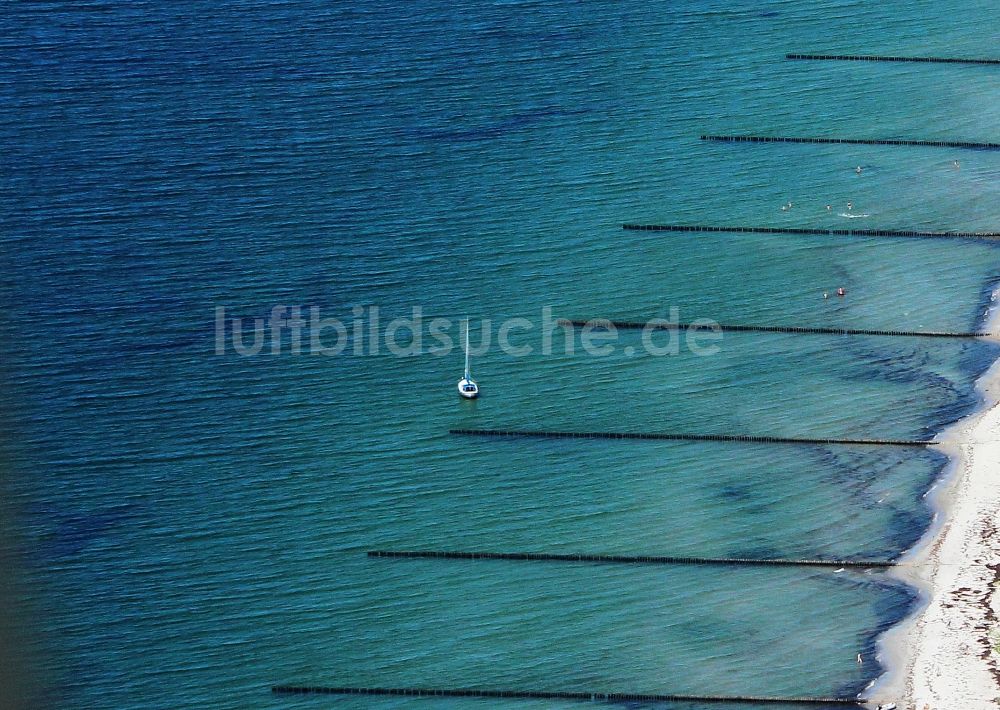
[{"x": 196, "y": 523}]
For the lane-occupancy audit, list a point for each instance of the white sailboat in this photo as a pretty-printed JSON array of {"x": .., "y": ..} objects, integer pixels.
[{"x": 467, "y": 387}]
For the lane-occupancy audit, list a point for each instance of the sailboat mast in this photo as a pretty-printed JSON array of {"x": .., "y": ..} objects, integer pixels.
[{"x": 467, "y": 348}]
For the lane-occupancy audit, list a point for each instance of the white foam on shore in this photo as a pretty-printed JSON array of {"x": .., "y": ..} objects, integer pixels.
[{"x": 939, "y": 656}]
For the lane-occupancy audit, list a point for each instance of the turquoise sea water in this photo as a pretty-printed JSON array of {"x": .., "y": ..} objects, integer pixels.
[{"x": 195, "y": 524}]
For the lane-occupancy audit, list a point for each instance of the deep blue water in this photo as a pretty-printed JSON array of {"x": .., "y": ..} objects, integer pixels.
[{"x": 195, "y": 523}]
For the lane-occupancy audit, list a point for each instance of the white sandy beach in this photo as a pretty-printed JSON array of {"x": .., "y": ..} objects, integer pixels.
[{"x": 943, "y": 657}]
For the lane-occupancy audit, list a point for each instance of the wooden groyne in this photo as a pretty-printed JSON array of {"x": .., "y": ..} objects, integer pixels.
[
  {"x": 627, "y": 559},
  {"x": 592, "y": 696},
  {"x": 854, "y": 141},
  {"x": 881, "y": 58},
  {"x": 928, "y": 234},
  {"x": 729, "y": 327},
  {"x": 683, "y": 437}
]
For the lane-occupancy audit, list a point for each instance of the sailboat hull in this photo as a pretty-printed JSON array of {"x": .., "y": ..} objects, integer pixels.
[{"x": 468, "y": 388}]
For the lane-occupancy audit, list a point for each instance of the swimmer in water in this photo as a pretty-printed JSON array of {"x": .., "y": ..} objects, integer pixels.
[
  {"x": 956, "y": 165},
  {"x": 850, "y": 206},
  {"x": 858, "y": 170},
  {"x": 829, "y": 207},
  {"x": 841, "y": 291}
]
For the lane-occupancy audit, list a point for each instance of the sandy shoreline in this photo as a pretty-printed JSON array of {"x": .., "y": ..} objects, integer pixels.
[{"x": 942, "y": 657}]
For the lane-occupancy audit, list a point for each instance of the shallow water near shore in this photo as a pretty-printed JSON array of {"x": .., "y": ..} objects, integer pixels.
[{"x": 196, "y": 523}]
